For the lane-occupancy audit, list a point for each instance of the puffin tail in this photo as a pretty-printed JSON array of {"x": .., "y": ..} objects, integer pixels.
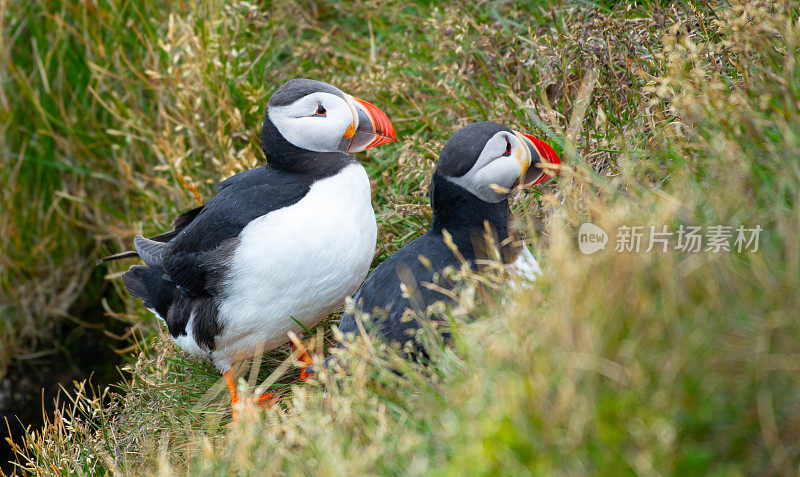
[
  {"x": 117, "y": 256},
  {"x": 147, "y": 284}
]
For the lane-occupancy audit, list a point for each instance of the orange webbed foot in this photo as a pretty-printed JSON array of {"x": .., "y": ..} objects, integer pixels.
[
  {"x": 266, "y": 400},
  {"x": 302, "y": 355}
]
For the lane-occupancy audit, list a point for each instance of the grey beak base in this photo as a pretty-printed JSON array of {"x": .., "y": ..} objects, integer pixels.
[{"x": 534, "y": 172}]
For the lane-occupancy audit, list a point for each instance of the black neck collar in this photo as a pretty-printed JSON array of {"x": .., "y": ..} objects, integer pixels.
[
  {"x": 285, "y": 156},
  {"x": 463, "y": 214}
]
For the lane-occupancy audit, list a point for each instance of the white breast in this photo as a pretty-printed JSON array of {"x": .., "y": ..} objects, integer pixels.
[
  {"x": 298, "y": 262},
  {"x": 525, "y": 266}
]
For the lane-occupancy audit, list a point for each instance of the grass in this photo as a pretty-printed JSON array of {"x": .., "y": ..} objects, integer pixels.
[{"x": 613, "y": 363}]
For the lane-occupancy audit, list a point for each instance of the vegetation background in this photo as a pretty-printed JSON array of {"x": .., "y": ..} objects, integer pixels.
[{"x": 116, "y": 114}]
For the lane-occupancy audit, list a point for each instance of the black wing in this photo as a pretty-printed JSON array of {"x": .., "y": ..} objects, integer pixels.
[
  {"x": 380, "y": 294},
  {"x": 194, "y": 252},
  {"x": 249, "y": 178}
]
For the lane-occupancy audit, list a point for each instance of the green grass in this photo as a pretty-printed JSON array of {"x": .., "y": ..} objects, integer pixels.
[{"x": 615, "y": 363}]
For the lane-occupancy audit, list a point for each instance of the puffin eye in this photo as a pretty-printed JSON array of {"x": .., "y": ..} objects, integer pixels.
[
  {"x": 320, "y": 110},
  {"x": 508, "y": 148}
]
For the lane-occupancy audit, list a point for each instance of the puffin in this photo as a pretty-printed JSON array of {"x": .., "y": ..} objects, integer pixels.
[
  {"x": 476, "y": 172},
  {"x": 279, "y": 247}
]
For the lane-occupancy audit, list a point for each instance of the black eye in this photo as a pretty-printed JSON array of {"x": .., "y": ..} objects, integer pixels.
[
  {"x": 320, "y": 111},
  {"x": 508, "y": 148}
]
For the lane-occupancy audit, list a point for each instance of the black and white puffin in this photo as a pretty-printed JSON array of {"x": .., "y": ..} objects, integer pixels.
[
  {"x": 476, "y": 171},
  {"x": 280, "y": 244}
]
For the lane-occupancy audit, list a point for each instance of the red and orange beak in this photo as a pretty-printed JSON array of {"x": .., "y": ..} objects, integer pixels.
[
  {"x": 540, "y": 153},
  {"x": 371, "y": 127}
]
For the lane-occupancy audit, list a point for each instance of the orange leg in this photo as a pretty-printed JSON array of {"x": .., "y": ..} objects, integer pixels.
[
  {"x": 302, "y": 355},
  {"x": 268, "y": 399},
  {"x": 228, "y": 375},
  {"x": 265, "y": 400}
]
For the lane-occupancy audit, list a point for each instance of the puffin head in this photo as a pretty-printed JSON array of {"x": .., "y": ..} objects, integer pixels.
[
  {"x": 314, "y": 116},
  {"x": 489, "y": 160}
]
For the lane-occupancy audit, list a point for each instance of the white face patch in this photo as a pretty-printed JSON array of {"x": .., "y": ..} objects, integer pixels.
[
  {"x": 497, "y": 168},
  {"x": 299, "y": 123}
]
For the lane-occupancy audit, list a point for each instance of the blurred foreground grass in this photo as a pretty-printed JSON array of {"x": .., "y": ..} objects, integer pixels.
[{"x": 117, "y": 115}]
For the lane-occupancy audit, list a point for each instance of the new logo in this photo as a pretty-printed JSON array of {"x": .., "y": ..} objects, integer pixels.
[{"x": 591, "y": 238}]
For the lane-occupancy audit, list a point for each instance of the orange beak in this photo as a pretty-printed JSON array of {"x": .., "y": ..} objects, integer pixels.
[
  {"x": 541, "y": 153},
  {"x": 371, "y": 127}
]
